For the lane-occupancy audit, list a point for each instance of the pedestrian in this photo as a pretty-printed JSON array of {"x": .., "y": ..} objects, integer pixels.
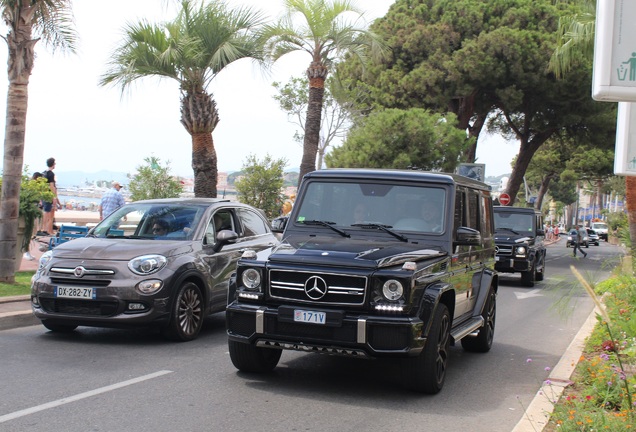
[
  {"x": 48, "y": 208},
  {"x": 580, "y": 235},
  {"x": 111, "y": 201}
]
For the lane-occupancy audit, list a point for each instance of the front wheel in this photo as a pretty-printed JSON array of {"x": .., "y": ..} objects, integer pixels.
[
  {"x": 186, "y": 319},
  {"x": 426, "y": 372},
  {"x": 483, "y": 341},
  {"x": 539, "y": 275},
  {"x": 250, "y": 358},
  {"x": 527, "y": 277}
]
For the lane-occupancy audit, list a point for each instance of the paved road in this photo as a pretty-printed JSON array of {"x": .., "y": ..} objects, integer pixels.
[{"x": 116, "y": 380}]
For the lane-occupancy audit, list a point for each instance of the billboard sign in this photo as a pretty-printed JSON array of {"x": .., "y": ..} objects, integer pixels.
[
  {"x": 614, "y": 77},
  {"x": 472, "y": 170}
]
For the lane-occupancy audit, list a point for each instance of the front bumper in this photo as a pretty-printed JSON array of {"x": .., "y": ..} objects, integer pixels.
[
  {"x": 118, "y": 306},
  {"x": 508, "y": 264},
  {"x": 344, "y": 333}
]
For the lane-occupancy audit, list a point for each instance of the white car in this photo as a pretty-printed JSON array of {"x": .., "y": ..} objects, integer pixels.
[{"x": 601, "y": 229}]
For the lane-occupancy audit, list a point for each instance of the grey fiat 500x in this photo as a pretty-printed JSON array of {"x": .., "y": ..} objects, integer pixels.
[{"x": 163, "y": 263}]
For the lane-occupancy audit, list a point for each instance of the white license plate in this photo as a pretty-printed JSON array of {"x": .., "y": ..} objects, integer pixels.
[
  {"x": 312, "y": 317},
  {"x": 496, "y": 258},
  {"x": 74, "y": 292}
]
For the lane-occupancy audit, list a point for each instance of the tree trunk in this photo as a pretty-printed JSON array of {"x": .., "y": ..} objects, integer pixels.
[
  {"x": 204, "y": 165},
  {"x": 545, "y": 184},
  {"x": 20, "y": 66},
  {"x": 630, "y": 201},
  {"x": 316, "y": 74},
  {"x": 199, "y": 116},
  {"x": 599, "y": 195},
  {"x": 527, "y": 149}
]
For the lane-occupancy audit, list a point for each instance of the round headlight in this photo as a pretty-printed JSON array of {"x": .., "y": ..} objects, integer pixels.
[
  {"x": 147, "y": 264},
  {"x": 392, "y": 289},
  {"x": 251, "y": 278},
  {"x": 521, "y": 250}
]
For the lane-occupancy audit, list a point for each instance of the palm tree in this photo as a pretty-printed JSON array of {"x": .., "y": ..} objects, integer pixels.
[
  {"x": 27, "y": 21},
  {"x": 192, "y": 50},
  {"x": 325, "y": 33},
  {"x": 576, "y": 43}
]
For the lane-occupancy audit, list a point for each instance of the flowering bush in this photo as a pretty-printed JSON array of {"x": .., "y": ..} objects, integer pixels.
[{"x": 31, "y": 193}]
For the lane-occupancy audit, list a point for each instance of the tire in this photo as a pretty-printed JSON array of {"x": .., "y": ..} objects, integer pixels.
[
  {"x": 540, "y": 275},
  {"x": 59, "y": 328},
  {"x": 187, "y": 315},
  {"x": 426, "y": 372},
  {"x": 527, "y": 277},
  {"x": 250, "y": 358},
  {"x": 483, "y": 341}
]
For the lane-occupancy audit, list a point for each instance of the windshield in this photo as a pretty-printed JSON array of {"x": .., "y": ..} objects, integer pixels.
[
  {"x": 599, "y": 225},
  {"x": 365, "y": 206},
  {"x": 519, "y": 223},
  {"x": 151, "y": 221}
]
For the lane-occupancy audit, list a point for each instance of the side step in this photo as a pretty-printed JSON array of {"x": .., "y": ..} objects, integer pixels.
[{"x": 466, "y": 328}]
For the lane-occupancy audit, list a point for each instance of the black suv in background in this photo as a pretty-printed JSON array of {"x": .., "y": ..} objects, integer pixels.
[
  {"x": 373, "y": 263},
  {"x": 519, "y": 237}
]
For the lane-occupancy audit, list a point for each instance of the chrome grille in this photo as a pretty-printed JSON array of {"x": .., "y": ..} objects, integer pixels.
[
  {"x": 338, "y": 289},
  {"x": 504, "y": 250}
]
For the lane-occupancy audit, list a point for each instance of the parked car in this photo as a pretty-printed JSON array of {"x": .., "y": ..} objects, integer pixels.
[
  {"x": 373, "y": 263},
  {"x": 592, "y": 237},
  {"x": 163, "y": 263},
  {"x": 571, "y": 240}
]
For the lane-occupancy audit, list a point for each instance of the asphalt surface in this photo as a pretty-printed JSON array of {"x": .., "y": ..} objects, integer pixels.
[{"x": 16, "y": 312}]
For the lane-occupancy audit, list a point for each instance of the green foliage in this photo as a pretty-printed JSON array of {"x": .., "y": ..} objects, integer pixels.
[
  {"x": 22, "y": 285},
  {"x": 261, "y": 184},
  {"x": 598, "y": 399},
  {"x": 396, "y": 138},
  {"x": 31, "y": 193},
  {"x": 153, "y": 181}
]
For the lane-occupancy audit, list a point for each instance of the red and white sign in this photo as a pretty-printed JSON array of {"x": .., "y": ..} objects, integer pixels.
[{"x": 504, "y": 199}]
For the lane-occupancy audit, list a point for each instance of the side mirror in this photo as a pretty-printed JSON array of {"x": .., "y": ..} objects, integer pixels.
[
  {"x": 224, "y": 237},
  {"x": 279, "y": 224},
  {"x": 467, "y": 237}
]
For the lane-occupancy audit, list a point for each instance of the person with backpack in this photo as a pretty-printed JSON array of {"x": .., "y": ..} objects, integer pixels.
[
  {"x": 48, "y": 208},
  {"x": 580, "y": 235}
]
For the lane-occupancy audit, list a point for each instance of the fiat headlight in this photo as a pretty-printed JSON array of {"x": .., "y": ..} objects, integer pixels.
[
  {"x": 44, "y": 259},
  {"x": 147, "y": 264},
  {"x": 251, "y": 279},
  {"x": 392, "y": 290}
]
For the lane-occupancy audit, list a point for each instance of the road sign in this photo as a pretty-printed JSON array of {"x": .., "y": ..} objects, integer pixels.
[{"x": 504, "y": 199}]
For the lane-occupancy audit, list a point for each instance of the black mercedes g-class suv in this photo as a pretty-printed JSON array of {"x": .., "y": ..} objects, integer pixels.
[
  {"x": 519, "y": 236},
  {"x": 373, "y": 263}
]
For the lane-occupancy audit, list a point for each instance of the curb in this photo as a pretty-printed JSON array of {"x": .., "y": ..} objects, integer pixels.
[
  {"x": 19, "y": 313},
  {"x": 537, "y": 415}
]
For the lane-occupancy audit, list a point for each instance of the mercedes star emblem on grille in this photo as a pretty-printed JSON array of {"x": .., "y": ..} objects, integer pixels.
[{"x": 316, "y": 288}]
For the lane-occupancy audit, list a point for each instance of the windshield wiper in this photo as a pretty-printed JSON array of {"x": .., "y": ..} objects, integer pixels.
[
  {"x": 327, "y": 224},
  {"x": 507, "y": 229},
  {"x": 384, "y": 228}
]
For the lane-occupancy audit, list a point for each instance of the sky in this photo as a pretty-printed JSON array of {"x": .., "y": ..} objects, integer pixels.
[{"x": 91, "y": 128}]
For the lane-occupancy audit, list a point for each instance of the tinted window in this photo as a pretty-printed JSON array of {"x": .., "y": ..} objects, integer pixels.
[{"x": 253, "y": 224}]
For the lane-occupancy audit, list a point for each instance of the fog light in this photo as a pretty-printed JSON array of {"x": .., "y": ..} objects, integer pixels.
[
  {"x": 136, "y": 306},
  {"x": 149, "y": 286},
  {"x": 34, "y": 301}
]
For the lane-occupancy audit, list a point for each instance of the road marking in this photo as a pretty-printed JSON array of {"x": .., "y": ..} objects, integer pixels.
[
  {"x": 525, "y": 295},
  {"x": 28, "y": 411}
]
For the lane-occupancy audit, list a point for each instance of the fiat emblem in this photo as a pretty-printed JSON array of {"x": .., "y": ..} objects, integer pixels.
[{"x": 79, "y": 271}]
